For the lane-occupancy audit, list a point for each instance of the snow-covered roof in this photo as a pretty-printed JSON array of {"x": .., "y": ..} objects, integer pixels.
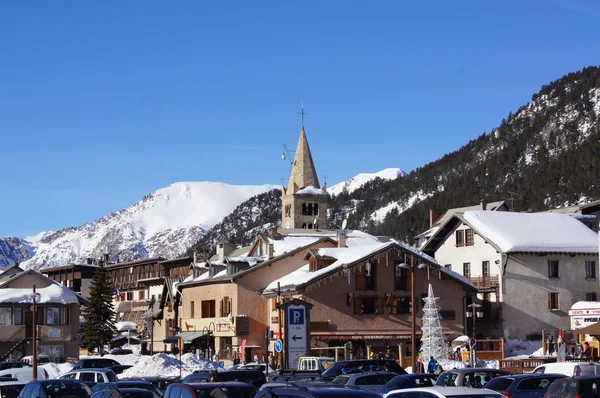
[
  {"x": 243, "y": 259},
  {"x": 350, "y": 255},
  {"x": 533, "y": 232},
  {"x": 125, "y": 326},
  {"x": 310, "y": 190},
  {"x": 586, "y": 305},
  {"x": 53, "y": 294}
]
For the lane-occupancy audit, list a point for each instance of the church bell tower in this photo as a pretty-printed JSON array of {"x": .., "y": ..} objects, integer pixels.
[{"x": 304, "y": 202}]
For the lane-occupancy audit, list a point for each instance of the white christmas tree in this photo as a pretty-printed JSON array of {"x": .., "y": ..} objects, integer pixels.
[{"x": 432, "y": 340}]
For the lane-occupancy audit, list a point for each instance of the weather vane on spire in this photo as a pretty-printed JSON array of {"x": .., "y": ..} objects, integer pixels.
[{"x": 302, "y": 113}]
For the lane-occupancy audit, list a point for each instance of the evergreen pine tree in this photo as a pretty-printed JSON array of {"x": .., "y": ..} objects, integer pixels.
[
  {"x": 432, "y": 342},
  {"x": 99, "y": 315}
]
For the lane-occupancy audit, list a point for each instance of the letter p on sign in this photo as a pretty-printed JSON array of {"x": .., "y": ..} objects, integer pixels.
[{"x": 297, "y": 316}]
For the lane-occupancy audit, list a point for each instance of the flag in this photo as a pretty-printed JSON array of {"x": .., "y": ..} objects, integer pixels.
[
  {"x": 187, "y": 327},
  {"x": 243, "y": 353},
  {"x": 560, "y": 339}
]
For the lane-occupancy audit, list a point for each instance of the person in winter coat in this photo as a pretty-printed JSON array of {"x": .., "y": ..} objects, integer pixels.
[
  {"x": 587, "y": 351},
  {"x": 432, "y": 365}
]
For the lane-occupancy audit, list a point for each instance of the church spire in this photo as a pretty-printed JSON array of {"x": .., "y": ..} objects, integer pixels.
[{"x": 303, "y": 172}]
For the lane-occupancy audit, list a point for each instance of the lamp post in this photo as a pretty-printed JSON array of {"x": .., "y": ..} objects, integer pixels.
[
  {"x": 34, "y": 346},
  {"x": 214, "y": 329},
  {"x": 473, "y": 311},
  {"x": 151, "y": 325},
  {"x": 413, "y": 313}
]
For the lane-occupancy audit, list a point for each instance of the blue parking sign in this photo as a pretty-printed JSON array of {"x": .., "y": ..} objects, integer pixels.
[{"x": 296, "y": 316}]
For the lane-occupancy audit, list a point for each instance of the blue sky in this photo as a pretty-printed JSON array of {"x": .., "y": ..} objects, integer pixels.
[{"x": 104, "y": 102}]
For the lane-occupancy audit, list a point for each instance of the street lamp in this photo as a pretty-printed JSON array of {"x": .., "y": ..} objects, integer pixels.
[
  {"x": 35, "y": 297},
  {"x": 207, "y": 329},
  {"x": 473, "y": 311},
  {"x": 413, "y": 312}
]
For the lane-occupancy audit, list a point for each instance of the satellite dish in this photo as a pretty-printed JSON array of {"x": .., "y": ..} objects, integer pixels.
[
  {"x": 287, "y": 225},
  {"x": 283, "y": 156},
  {"x": 344, "y": 223}
]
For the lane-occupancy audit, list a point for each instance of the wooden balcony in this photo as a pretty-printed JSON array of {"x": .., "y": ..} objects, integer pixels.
[{"x": 485, "y": 282}]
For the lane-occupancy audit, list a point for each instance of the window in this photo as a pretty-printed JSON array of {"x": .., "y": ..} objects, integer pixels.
[
  {"x": 553, "y": 301},
  {"x": 225, "y": 308},
  {"x": 590, "y": 269},
  {"x": 192, "y": 315},
  {"x": 552, "y": 268},
  {"x": 401, "y": 277},
  {"x": 368, "y": 305},
  {"x": 365, "y": 276},
  {"x": 485, "y": 268},
  {"x": 5, "y": 316},
  {"x": 467, "y": 270},
  {"x": 142, "y": 294},
  {"x": 304, "y": 212},
  {"x": 310, "y": 209},
  {"x": 448, "y": 314},
  {"x": 403, "y": 305},
  {"x": 460, "y": 237},
  {"x": 129, "y": 296},
  {"x": 590, "y": 296},
  {"x": 448, "y": 266},
  {"x": 18, "y": 315},
  {"x": 469, "y": 237},
  {"x": 208, "y": 309},
  {"x": 316, "y": 209},
  {"x": 52, "y": 315}
]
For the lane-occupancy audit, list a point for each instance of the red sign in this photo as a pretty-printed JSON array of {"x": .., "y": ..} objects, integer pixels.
[{"x": 243, "y": 353}]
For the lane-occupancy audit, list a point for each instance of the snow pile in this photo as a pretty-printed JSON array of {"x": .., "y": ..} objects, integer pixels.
[
  {"x": 310, "y": 190},
  {"x": 125, "y": 326},
  {"x": 361, "y": 179},
  {"x": 53, "y": 294},
  {"x": 537, "y": 232},
  {"x": 519, "y": 349},
  {"x": 164, "y": 365}
]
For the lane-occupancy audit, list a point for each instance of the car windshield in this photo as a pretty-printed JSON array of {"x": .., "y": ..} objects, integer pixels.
[
  {"x": 447, "y": 379},
  {"x": 342, "y": 380},
  {"x": 11, "y": 391},
  {"x": 62, "y": 388},
  {"x": 232, "y": 392},
  {"x": 535, "y": 383},
  {"x": 499, "y": 384}
]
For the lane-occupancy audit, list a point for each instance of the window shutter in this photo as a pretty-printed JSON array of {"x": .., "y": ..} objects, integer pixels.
[
  {"x": 273, "y": 304},
  {"x": 407, "y": 279},
  {"x": 358, "y": 305},
  {"x": 221, "y": 305},
  {"x": 379, "y": 305},
  {"x": 360, "y": 278},
  {"x": 393, "y": 307},
  {"x": 549, "y": 301}
]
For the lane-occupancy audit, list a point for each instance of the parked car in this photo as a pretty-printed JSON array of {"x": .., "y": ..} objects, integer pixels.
[
  {"x": 468, "y": 377},
  {"x": 315, "y": 364},
  {"x": 370, "y": 381},
  {"x": 94, "y": 363},
  {"x": 114, "y": 393},
  {"x": 55, "y": 388},
  {"x": 255, "y": 378},
  {"x": 136, "y": 393},
  {"x": 11, "y": 389},
  {"x": 24, "y": 374},
  {"x": 120, "y": 351},
  {"x": 145, "y": 385},
  {"x": 205, "y": 390},
  {"x": 257, "y": 366},
  {"x": 198, "y": 377},
  {"x": 528, "y": 385},
  {"x": 571, "y": 369},
  {"x": 10, "y": 365},
  {"x": 91, "y": 376},
  {"x": 574, "y": 387},
  {"x": 41, "y": 359},
  {"x": 415, "y": 380},
  {"x": 363, "y": 364},
  {"x": 443, "y": 392},
  {"x": 162, "y": 382},
  {"x": 316, "y": 391}
]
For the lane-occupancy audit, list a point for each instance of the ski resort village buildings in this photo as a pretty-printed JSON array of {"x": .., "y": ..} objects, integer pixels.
[{"x": 530, "y": 268}]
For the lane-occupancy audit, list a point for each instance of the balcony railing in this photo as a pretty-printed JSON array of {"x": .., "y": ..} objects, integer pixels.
[{"x": 485, "y": 282}]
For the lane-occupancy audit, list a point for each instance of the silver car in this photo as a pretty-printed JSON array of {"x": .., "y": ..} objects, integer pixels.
[{"x": 368, "y": 381}]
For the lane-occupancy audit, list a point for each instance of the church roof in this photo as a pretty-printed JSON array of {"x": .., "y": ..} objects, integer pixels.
[{"x": 303, "y": 172}]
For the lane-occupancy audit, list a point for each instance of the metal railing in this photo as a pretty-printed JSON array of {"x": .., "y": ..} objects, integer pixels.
[{"x": 485, "y": 281}]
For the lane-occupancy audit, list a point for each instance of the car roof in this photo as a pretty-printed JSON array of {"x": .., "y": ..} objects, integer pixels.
[
  {"x": 103, "y": 370},
  {"x": 382, "y": 372},
  {"x": 134, "y": 382},
  {"x": 467, "y": 370},
  {"x": 530, "y": 376},
  {"x": 214, "y": 384},
  {"x": 459, "y": 391},
  {"x": 327, "y": 391},
  {"x": 12, "y": 383}
]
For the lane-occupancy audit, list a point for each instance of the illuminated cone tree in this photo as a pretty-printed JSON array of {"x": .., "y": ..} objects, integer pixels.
[{"x": 432, "y": 340}]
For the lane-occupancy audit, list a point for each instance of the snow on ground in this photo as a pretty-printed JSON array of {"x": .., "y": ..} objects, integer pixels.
[
  {"x": 56, "y": 370},
  {"x": 361, "y": 179},
  {"x": 163, "y": 364},
  {"x": 519, "y": 349}
]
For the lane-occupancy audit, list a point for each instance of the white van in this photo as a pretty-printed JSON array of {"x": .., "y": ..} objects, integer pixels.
[
  {"x": 41, "y": 359},
  {"x": 24, "y": 374},
  {"x": 571, "y": 369},
  {"x": 315, "y": 364}
]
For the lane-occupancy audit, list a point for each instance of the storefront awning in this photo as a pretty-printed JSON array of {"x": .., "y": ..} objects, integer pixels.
[
  {"x": 593, "y": 329},
  {"x": 188, "y": 337},
  {"x": 367, "y": 335}
]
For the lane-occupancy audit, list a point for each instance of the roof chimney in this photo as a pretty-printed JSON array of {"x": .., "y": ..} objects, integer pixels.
[
  {"x": 341, "y": 238},
  {"x": 434, "y": 216},
  {"x": 483, "y": 204},
  {"x": 270, "y": 251}
]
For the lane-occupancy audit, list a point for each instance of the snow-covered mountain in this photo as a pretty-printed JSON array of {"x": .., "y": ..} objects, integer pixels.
[
  {"x": 361, "y": 179},
  {"x": 164, "y": 223}
]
